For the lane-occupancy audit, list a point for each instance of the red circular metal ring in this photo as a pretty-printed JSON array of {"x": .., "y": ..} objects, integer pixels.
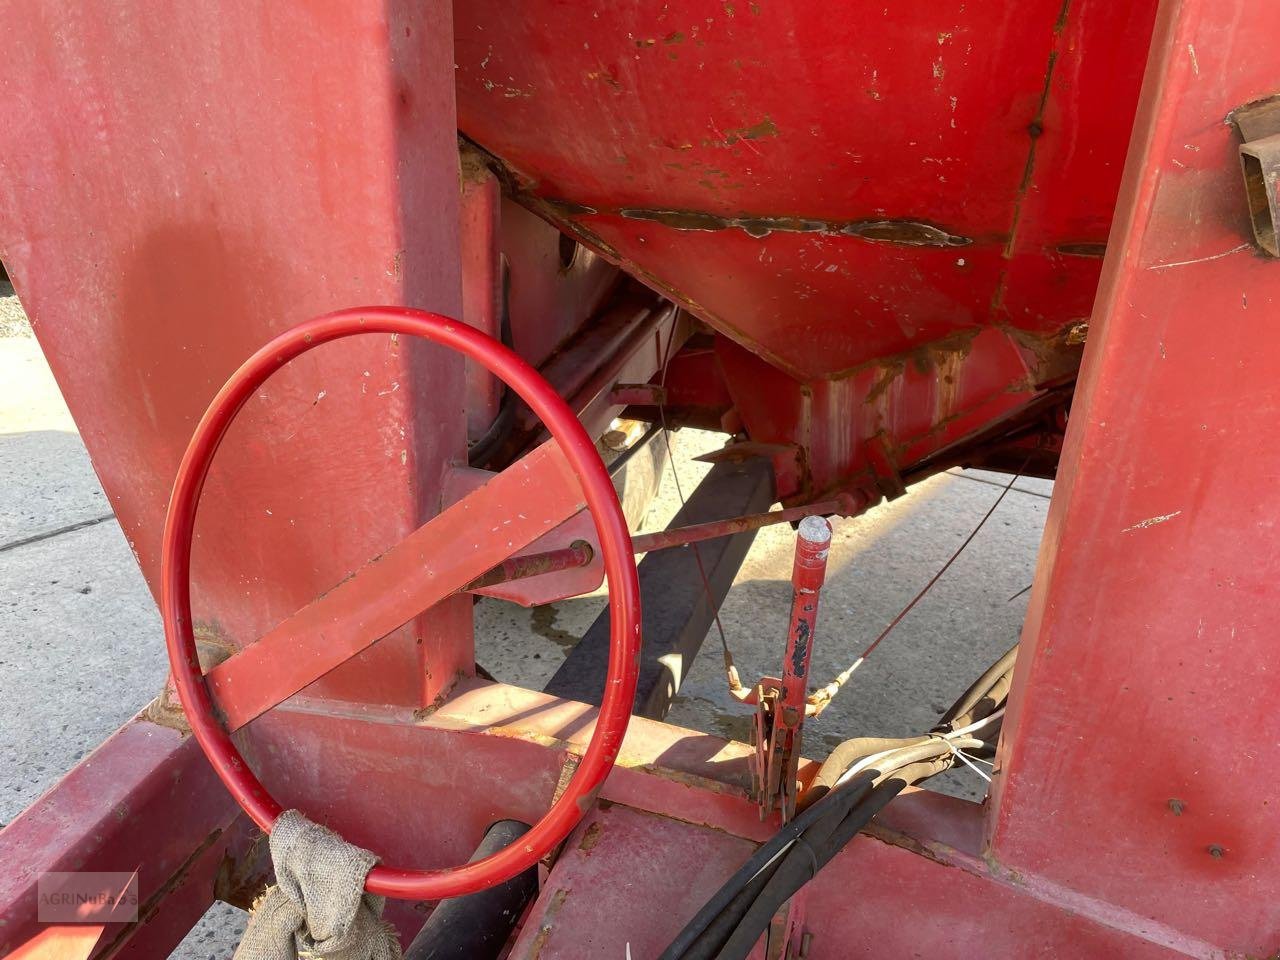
[{"x": 601, "y": 499}]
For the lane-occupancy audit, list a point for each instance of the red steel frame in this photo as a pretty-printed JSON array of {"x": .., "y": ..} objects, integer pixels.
[{"x": 1144, "y": 673}]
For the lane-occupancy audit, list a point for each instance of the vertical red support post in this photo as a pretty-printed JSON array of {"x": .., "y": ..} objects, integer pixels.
[
  {"x": 181, "y": 183},
  {"x": 1139, "y": 755}
]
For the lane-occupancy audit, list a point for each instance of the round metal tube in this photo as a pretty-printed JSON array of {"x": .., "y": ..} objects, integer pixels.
[{"x": 580, "y": 451}]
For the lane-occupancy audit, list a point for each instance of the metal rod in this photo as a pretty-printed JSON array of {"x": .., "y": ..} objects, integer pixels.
[
  {"x": 845, "y": 505},
  {"x": 580, "y": 553},
  {"x": 813, "y": 544}
]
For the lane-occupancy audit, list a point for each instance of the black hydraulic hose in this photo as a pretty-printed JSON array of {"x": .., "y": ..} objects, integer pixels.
[
  {"x": 813, "y": 850},
  {"x": 845, "y": 756},
  {"x": 800, "y": 866},
  {"x": 831, "y": 814},
  {"x": 970, "y": 706},
  {"x": 837, "y": 839},
  {"x": 844, "y": 798},
  {"x": 482, "y": 451},
  {"x": 478, "y": 926},
  {"x": 709, "y": 942},
  {"x": 833, "y": 808}
]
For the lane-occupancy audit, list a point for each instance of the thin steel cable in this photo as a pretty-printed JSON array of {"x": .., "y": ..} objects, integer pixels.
[
  {"x": 946, "y": 566},
  {"x": 822, "y": 697}
]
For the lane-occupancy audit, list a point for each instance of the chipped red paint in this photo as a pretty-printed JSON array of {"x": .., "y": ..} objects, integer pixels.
[
  {"x": 935, "y": 198},
  {"x": 1152, "y": 607},
  {"x": 891, "y": 222}
]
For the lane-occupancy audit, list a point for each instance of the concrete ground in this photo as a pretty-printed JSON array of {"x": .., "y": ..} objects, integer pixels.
[{"x": 81, "y": 648}]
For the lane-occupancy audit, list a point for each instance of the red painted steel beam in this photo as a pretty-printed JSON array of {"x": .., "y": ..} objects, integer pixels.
[
  {"x": 1138, "y": 768},
  {"x": 145, "y": 800},
  {"x": 672, "y": 781},
  {"x": 523, "y": 502}
]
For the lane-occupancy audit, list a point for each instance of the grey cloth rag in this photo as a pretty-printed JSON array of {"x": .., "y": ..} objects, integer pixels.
[{"x": 318, "y": 907}]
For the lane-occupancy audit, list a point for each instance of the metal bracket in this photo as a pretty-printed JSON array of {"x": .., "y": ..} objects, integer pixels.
[{"x": 1259, "y": 126}]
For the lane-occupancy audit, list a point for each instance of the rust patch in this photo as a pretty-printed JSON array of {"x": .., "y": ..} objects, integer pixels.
[
  {"x": 945, "y": 356},
  {"x": 424, "y": 712},
  {"x": 911, "y": 233},
  {"x": 567, "y": 208},
  {"x": 934, "y": 355},
  {"x": 241, "y": 883},
  {"x": 213, "y": 646},
  {"x": 544, "y": 931},
  {"x": 540, "y": 941},
  {"x": 166, "y": 711},
  {"x": 949, "y": 364},
  {"x": 567, "y": 770},
  {"x": 591, "y": 837},
  {"x": 940, "y": 853},
  {"x": 472, "y": 165},
  {"x": 1057, "y": 355},
  {"x": 757, "y": 131},
  {"x": 892, "y": 370},
  {"x": 557, "y": 901},
  {"x": 751, "y": 225},
  {"x": 693, "y": 780},
  {"x": 1082, "y": 249}
]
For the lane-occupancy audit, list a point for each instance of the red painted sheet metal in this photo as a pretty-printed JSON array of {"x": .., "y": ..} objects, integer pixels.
[
  {"x": 831, "y": 190},
  {"x": 710, "y": 105},
  {"x": 180, "y": 182},
  {"x": 813, "y": 305},
  {"x": 556, "y": 286},
  {"x": 875, "y": 900},
  {"x": 855, "y": 909},
  {"x": 1074, "y": 165},
  {"x": 365, "y": 770},
  {"x": 1141, "y": 751},
  {"x": 921, "y": 401},
  {"x": 583, "y": 911},
  {"x": 777, "y": 109}
]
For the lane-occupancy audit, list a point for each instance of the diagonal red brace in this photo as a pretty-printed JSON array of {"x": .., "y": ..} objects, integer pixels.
[{"x": 509, "y": 512}]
